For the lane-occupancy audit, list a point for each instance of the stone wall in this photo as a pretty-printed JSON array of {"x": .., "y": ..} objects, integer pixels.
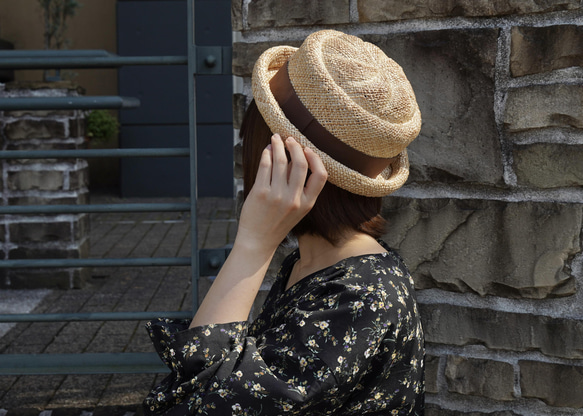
[
  {"x": 42, "y": 182},
  {"x": 490, "y": 219}
]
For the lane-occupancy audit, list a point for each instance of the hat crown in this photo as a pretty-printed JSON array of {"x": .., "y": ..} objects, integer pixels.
[
  {"x": 356, "y": 92},
  {"x": 368, "y": 77}
]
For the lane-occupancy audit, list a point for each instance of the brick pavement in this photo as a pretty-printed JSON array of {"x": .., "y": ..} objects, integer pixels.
[{"x": 111, "y": 289}]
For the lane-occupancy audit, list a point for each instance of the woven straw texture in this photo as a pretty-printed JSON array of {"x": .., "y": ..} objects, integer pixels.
[{"x": 357, "y": 93}]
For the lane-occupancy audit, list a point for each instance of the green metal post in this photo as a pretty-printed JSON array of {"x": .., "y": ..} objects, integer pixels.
[{"x": 193, "y": 153}]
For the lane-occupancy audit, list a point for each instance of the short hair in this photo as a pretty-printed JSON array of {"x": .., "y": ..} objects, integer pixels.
[{"x": 335, "y": 211}]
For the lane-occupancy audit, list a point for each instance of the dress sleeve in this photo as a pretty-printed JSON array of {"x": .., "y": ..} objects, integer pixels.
[{"x": 307, "y": 364}]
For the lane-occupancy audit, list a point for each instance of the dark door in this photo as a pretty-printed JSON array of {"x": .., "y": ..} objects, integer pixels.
[{"x": 158, "y": 27}]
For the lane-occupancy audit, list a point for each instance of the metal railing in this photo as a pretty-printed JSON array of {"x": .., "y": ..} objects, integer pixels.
[{"x": 197, "y": 59}]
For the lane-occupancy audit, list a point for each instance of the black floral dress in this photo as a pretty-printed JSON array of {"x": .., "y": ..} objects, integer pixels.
[{"x": 346, "y": 340}]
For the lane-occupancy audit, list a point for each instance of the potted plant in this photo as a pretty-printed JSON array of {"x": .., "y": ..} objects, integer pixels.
[{"x": 100, "y": 126}]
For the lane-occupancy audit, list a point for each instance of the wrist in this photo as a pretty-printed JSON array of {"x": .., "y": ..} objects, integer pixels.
[{"x": 252, "y": 243}]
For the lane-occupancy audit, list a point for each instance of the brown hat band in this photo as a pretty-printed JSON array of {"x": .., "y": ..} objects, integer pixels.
[{"x": 295, "y": 111}]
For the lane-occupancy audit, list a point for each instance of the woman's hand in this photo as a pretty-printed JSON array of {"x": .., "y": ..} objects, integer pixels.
[{"x": 279, "y": 199}]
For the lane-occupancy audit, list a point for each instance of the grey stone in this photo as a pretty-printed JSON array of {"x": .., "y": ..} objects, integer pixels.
[
  {"x": 478, "y": 377},
  {"x": 497, "y": 330},
  {"x": 66, "y": 252},
  {"x": 548, "y": 165},
  {"x": 267, "y": 13},
  {"x": 28, "y": 164},
  {"x": 37, "y": 232},
  {"x": 44, "y": 145},
  {"x": 35, "y": 129},
  {"x": 542, "y": 49},
  {"x": 81, "y": 227},
  {"x": 47, "y": 278},
  {"x": 40, "y": 113},
  {"x": 431, "y": 373},
  {"x": 435, "y": 410},
  {"x": 540, "y": 106},
  {"x": 245, "y": 55},
  {"x": 509, "y": 249},
  {"x": 80, "y": 198},
  {"x": 77, "y": 127},
  {"x": 45, "y": 88},
  {"x": 383, "y": 10},
  {"x": 237, "y": 15},
  {"x": 452, "y": 74},
  {"x": 557, "y": 385},
  {"x": 78, "y": 179},
  {"x": 26, "y": 180}
]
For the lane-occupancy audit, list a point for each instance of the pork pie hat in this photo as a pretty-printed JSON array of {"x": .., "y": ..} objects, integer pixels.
[{"x": 347, "y": 101}]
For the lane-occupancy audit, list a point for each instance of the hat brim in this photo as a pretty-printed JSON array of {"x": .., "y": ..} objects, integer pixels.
[{"x": 388, "y": 181}]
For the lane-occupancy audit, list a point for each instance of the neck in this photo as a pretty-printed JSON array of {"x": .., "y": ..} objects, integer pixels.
[{"x": 316, "y": 253}]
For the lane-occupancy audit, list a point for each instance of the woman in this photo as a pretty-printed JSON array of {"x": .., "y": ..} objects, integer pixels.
[{"x": 339, "y": 332}]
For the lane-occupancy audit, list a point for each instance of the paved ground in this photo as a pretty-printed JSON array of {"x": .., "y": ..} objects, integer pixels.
[{"x": 110, "y": 289}]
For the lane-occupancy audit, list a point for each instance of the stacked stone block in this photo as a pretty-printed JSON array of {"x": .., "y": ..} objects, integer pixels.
[
  {"x": 490, "y": 221},
  {"x": 42, "y": 182}
]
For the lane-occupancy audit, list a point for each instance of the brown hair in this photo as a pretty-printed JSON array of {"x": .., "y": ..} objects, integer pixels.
[{"x": 335, "y": 211}]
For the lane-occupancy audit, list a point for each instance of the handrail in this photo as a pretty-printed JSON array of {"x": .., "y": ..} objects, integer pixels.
[
  {"x": 85, "y": 363},
  {"x": 22, "y": 53},
  {"x": 90, "y": 153},
  {"x": 95, "y": 262},
  {"x": 93, "y": 316},
  {"x": 42, "y": 59},
  {"x": 68, "y": 103},
  {"x": 79, "y": 209}
]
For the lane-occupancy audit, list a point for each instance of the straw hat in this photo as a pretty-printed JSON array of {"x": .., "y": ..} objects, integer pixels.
[{"x": 346, "y": 100}]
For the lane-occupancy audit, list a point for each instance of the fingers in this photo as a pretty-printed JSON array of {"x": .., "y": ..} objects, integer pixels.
[
  {"x": 318, "y": 178},
  {"x": 280, "y": 163},
  {"x": 298, "y": 166},
  {"x": 263, "y": 178},
  {"x": 277, "y": 202},
  {"x": 289, "y": 178}
]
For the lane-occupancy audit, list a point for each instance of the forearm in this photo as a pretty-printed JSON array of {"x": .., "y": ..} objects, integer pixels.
[
  {"x": 231, "y": 295},
  {"x": 279, "y": 199}
]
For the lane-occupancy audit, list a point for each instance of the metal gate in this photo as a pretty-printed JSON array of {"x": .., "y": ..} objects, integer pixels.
[{"x": 199, "y": 60}]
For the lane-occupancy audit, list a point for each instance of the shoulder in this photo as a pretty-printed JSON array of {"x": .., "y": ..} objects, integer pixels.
[
  {"x": 379, "y": 268},
  {"x": 373, "y": 279}
]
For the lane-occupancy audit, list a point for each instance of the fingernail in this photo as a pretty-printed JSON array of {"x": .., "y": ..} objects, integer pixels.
[{"x": 268, "y": 147}]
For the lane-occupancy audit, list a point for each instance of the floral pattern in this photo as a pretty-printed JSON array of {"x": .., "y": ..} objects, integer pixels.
[{"x": 346, "y": 340}]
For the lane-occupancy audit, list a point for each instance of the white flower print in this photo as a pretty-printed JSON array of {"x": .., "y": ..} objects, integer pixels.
[{"x": 351, "y": 331}]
